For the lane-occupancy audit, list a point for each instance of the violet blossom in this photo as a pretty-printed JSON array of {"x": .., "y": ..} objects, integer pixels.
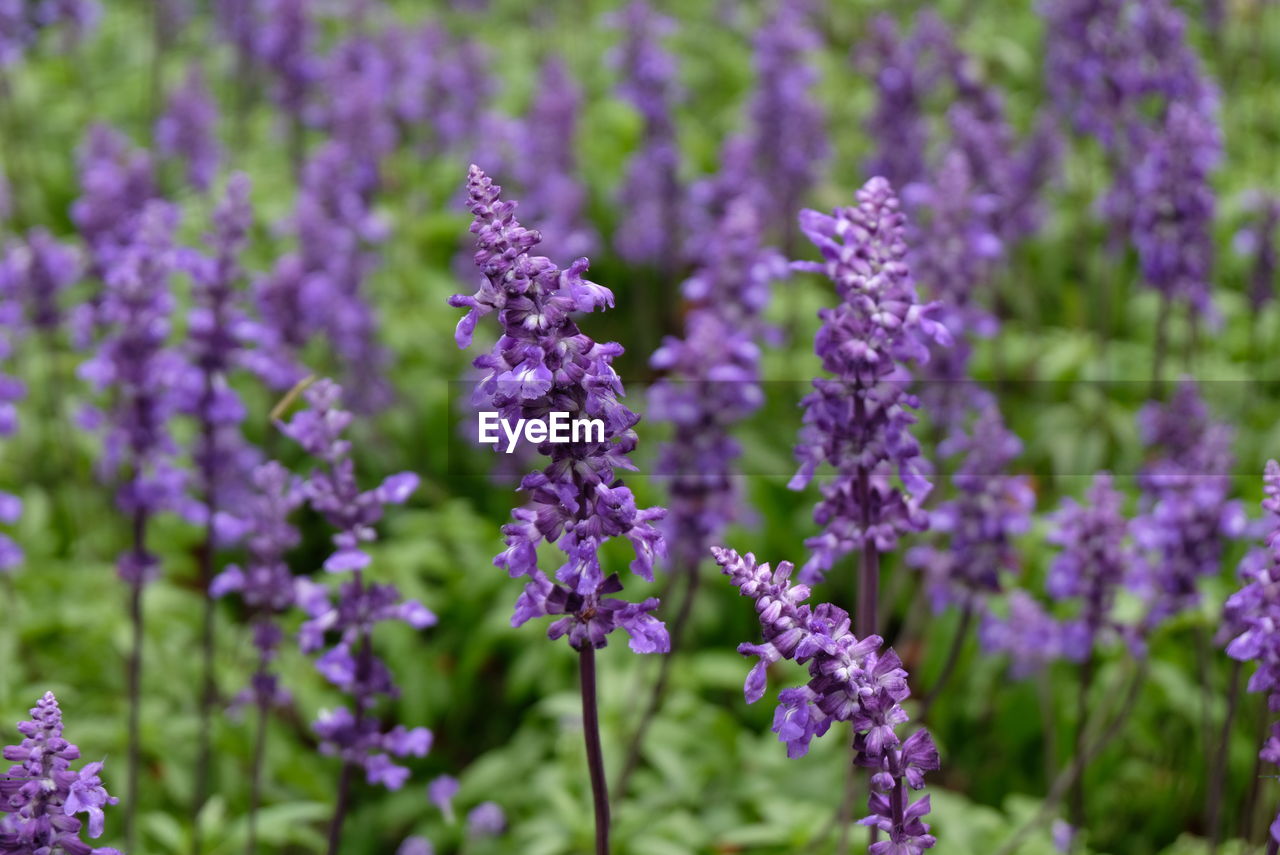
[
  {"x": 850, "y": 680},
  {"x": 1257, "y": 242},
  {"x": 1254, "y": 612},
  {"x": 650, "y": 193},
  {"x": 351, "y": 612},
  {"x": 116, "y": 183},
  {"x": 544, "y": 362},
  {"x": 187, "y": 130},
  {"x": 12, "y": 390},
  {"x": 41, "y": 796},
  {"x": 40, "y": 268},
  {"x": 880, "y": 482}
]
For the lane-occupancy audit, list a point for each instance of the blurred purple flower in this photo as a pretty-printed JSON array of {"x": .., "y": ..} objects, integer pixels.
[{"x": 187, "y": 131}]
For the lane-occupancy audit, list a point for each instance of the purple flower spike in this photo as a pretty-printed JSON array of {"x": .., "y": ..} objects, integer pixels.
[
  {"x": 349, "y": 613},
  {"x": 543, "y": 363},
  {"x": 850, "y": 680},
  {"x": 864, "y": 344},
  {"x": 41, "y": 796},
  {"x": 1254, "y": 613},
  {"x": 1257, "y": 242},
  {"x": 187, "y": 130}
]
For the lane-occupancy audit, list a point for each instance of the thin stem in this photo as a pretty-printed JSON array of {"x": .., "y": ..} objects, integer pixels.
[
  {"x": 1162, "y": 345},
  {"x": 259, "y": 754},
  {"x": 869, "y": 571},
  {"x": 1049, "y": 725},
  {"x": 595, "y": 756},
  {"x": 1068, "y": 775},
  {"x": 133, "y": 679},
  {"x": 659, "y": 693},
  {"x": 1213, "y": 809},
  {"x": 1082, "y": 721},
  {"x": 953, "y": 657},
  {"x": 1255, "y": 780},
  {"x": 346, "y": 778},
  {"x": 341, "y": 807},
  {"x": 209, "y": 689}
]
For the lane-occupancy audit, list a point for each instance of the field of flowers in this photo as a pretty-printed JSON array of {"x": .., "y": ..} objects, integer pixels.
[{"x": 929, "y": 344}]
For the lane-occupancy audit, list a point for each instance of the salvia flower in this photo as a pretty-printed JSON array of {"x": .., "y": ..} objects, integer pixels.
[
  {"x": 441, "y": 792},
  {"x": 712, "y": 378},
  {"x": 1187, "y": 515},
  {"x": 1094, "y": 560},
  {"x": 286, "y": 45},
  {"x": 350, "y": 613},
  {"x": 1254, "y": 611},
  {"x": 1030, "y": 636},
  {"x": 858, "y": 419},
  {"x": 650, "y": 193},
  {"x": 134, "y": 362},
  {"x": 187, "y": 130},
  {"x": 1257, "y": 242},
  {"x": 42, "y": 797},
  {"x": 40, "y": 268},
  {"x": 264, "y": 582},
  {"x": 788, "y": 126},
  {"x": 554, "y": 196},
  {"x": 416, "y": 846},
  {"x": 12, "y": 390},
  {"x": 486, "y": 819},
  {"x": 850, "y": 680},
  {"x": 990, "y": 508},
  {"x": 116, "y": 182},
  {"x": 541, "y": 363}
]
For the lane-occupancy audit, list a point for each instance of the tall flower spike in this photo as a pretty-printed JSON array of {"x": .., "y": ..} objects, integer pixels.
[
  {"x": 850, "y": 680},
  {"x": 1094, "y": 560},
  {"x": 555, "y": 198},
  {"x": 991, "y": 507},
  {"x": 650, "y": 191},
  {"x": 1257, "y": 242},
  {"x": 543, "y": 362},
  {"x": 351, "y": 612},
  {"x": 40, "y": 269},
  {"x": 42, "y": 797},
  {"x": 864, "y": 344},
  {"x": 789, "y": 134},
  {"x": 1187, "y": 514},
  {"x": 187, "y": 130},
  {"x": 116, "y": 182},
  {"x": 12, "y": 390},
  {"x": 1254, "y": 612}
]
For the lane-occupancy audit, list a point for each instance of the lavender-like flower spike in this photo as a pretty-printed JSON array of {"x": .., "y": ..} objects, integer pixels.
[
  {"x": 135, "y": 363},
  {"x": 187, "y": 130},
  {"x": 264, "y": 582},
  {"x": 543, "y": 362},
  {"x": 116, "y": 182},
  {"x": 1257, "y": 241},
  {"x": 990, "y": 509},
  {"x": 555, "y": 199},
  {"x": 1187, "y": 513},
  {"x": 1254, "y": 612},
  {"x": 651, "y": 189},
  {"x": 788, "y": 127},
  {"x": 864, "y": 343},
  {"x": 350, "y": 664},
  {"x": 41, "y": 796},
  {"x": 1094, "y": 561},
  {"x": 39, "y": 269},
  {"x": 12, "y": 390},
  {"x": 850, "y": 680}
]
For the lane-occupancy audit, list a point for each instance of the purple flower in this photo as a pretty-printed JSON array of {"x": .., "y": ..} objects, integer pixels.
[
  {"x": 850, "y": 680},
  {"x": 116, "y": 182},
  {"x": 1254, "y": 613},
  {"x": 416, "y": 846},
  {"x": 650, "y": 192},
  {"x": 441, "y": 792},
  {"x": 858, "y": 420},
  {"x": 979, "y": 524},
  {"x": 1030, "y": 636},
  {"x": 555, "y": 199},
  {"x": 350, "y": 613},
  {"x": 1187, "y": 514},
  {"x": 1257, "y": 242},
  {"x": 358, "y": 112},
  {"x": 788, "y": 135},
  {"x": 41, "y": 796},
  {"x": 12, "y": 390},
  {"x": 286, "y": 45},
  {"x": 543, "y": 363},
  {"x": 486, "y": 820},
  {"x": 1095, "y": 557},
  {"x": 134, "y": 363},
  {"x": 39, "y": 269},
  {"x": 187, "y": 130}
]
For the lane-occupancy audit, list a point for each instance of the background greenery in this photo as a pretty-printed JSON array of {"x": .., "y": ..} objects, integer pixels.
[{"x": 1072, "y": 369}]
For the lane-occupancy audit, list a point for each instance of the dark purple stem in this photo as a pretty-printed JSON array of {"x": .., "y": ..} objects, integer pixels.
[
  {"x": 1081, "y": 746},
  {"x": 364, "y": 665},
  {"x": 134, "y": 679},
  {"x": 259, "y": 752},
  {"x": 595, "y": 756},
  {"x": 1213, "y": 811}
]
